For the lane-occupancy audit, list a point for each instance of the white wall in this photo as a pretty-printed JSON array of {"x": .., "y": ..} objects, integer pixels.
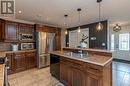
[
  {"x": 124, "y": 55},
  {"x": 63, "y": 38}
]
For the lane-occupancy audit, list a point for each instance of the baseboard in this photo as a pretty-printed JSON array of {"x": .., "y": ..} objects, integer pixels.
[{"x": 120, "y": 60}]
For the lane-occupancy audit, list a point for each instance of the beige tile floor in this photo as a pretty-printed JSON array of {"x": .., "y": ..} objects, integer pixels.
[{"x": 33, "y": 77}]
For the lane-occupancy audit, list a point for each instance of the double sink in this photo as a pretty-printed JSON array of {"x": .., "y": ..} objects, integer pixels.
[{"x": 78, "y": 54}]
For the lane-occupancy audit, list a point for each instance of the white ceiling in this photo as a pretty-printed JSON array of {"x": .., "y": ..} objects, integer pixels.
[{"x": 52, "y": 11}]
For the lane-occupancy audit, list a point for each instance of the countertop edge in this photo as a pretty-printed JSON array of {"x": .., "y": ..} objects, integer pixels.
[
  {"x": 89, "y": 49},
  {"x": 83, "y": 60}
]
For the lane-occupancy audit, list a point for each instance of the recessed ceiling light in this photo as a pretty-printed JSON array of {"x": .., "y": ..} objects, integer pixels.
[{"x": 19, "y": 11}]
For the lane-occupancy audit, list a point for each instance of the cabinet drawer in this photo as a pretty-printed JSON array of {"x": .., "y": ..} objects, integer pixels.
[
  {"x": 73, "y": 63},
  {"x": 30, "y": 54},
  {"x": 19, "y": 54},
  {"x": 94, "y": 69}
]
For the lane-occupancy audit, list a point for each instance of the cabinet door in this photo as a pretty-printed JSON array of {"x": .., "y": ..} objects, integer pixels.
[
  {"x": 11, "y": 31},
  {"x": 10, "y": 62},
  {"x": 31, "y": 59},
  {"x": 78, "y": 77},
  {"x": 19, "y": 62},
  {"x": 2, "y": 30},
  {"x": 93, "y": 80},
  {"x": 65, "y": 74}
]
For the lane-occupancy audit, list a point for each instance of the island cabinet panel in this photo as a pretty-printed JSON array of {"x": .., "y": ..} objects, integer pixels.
[
  {"x": 65, "y": 73},
  {"x": 78, "y": 77},
  {"x": 93, "y": 80},
  {"x": 19, "y": 62},
  {"x": 79, "y": 73},
  {"x": 11, "y": 31},
  {"x": 71, "y": 73}
]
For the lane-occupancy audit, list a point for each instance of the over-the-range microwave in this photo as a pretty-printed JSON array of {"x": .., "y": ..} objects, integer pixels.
[{"x": 27, "y": 46}]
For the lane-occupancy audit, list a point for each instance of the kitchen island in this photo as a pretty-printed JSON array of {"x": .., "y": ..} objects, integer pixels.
[{"x": 89, "y": 68}]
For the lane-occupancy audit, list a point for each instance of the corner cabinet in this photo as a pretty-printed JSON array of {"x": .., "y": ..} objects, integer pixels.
[{"x": 11, "y": 31}]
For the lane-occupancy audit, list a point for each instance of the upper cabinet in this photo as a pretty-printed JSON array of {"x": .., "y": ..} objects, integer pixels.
[
  {"x": 11, "y": 31},
  {"x": 16, "y": 32},
  {"x": 2, "y": 30}
]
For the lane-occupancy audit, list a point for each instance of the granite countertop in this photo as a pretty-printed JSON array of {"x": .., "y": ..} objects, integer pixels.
[
  {"x": 3, "y": 53},
  {"x": 94, "y": 59},
  {"x": 89, "y": 49},
  {"x": 2, "y": 74}
]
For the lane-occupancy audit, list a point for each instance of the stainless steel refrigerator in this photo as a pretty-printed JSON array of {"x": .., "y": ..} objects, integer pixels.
[{"x": 45, "y": 45}]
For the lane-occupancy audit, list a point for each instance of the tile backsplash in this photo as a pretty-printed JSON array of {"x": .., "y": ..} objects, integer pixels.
[{"x": 5, "y": 46}]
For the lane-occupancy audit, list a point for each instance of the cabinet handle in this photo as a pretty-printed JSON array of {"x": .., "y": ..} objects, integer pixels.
[{"x": 93, "y": 69}]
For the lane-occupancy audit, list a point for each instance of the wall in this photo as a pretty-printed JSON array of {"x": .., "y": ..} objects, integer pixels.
[
  {"x": 63, "y": 38},
  {"x": 5, "y": 46},
  {"x": 101, "y": 37},
  {"x": 118, "y": 54}
]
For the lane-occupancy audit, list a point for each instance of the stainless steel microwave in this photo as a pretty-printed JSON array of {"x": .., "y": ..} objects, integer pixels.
[{"x": 27, "y": 46}]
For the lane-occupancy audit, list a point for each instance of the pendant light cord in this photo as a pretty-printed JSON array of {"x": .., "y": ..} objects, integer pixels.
[
  {"x": 99, "y": 12},
  {"x": 79, "y": 19}
]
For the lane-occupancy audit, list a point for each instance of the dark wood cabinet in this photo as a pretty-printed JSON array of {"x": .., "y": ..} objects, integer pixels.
[
  {"x": 65, "y": 74},
  {"x": 11, "y": 32},
  {"x": 19, "y": 62},
  {"x": 70, "y": 73},
  {"x": 2, "y": 30},
  {"x": 31, "y": 59},
  {"x": 26, "y": 29},
  {"x": 78, "y": 73},
  {"x": 78, "y": 77}
]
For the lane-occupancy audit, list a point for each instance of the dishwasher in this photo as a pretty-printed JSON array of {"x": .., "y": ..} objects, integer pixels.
[{"x": 55, "y": 66}]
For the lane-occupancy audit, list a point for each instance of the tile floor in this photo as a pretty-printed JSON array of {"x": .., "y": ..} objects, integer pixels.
[
  {"x": 121, "y": 74},
  {"x": 33, "y": 77},
  {"x": 42, "y": 77}
]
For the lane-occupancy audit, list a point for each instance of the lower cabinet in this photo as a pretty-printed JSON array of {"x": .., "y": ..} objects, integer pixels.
[
  {"x": 65, "y": 74},
  {"x": 93, "y": 80},
  {"x": 21, "y": 61},
  {"x": 78, "y": 77},
  {"x": 77, "y": 73},
  {"x": 71, "y": 76},
  {"x": 31, "y": 59}
]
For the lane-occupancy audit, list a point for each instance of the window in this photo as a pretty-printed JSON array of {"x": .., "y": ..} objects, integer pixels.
[
  {"x": 124, "y": 41},
  {"x": 112, "y": 42}
]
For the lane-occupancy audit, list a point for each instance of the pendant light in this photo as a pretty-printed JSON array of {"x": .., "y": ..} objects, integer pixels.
[
  {"x": 65, "y": 24},
  {"x": 116, "y": 28},
  {"x": 99, "y": 26},
  {"x": 79, "y": 10}
]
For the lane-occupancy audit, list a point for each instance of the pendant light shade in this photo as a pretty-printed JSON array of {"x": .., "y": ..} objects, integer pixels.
[
  {"x": 79, "y": 29},
  {"x": 116, "y": 28},
  {"x": 65, "y": 24},
  {"x": 99, "y": 26},
  {"x": 79, "y": 10}
]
